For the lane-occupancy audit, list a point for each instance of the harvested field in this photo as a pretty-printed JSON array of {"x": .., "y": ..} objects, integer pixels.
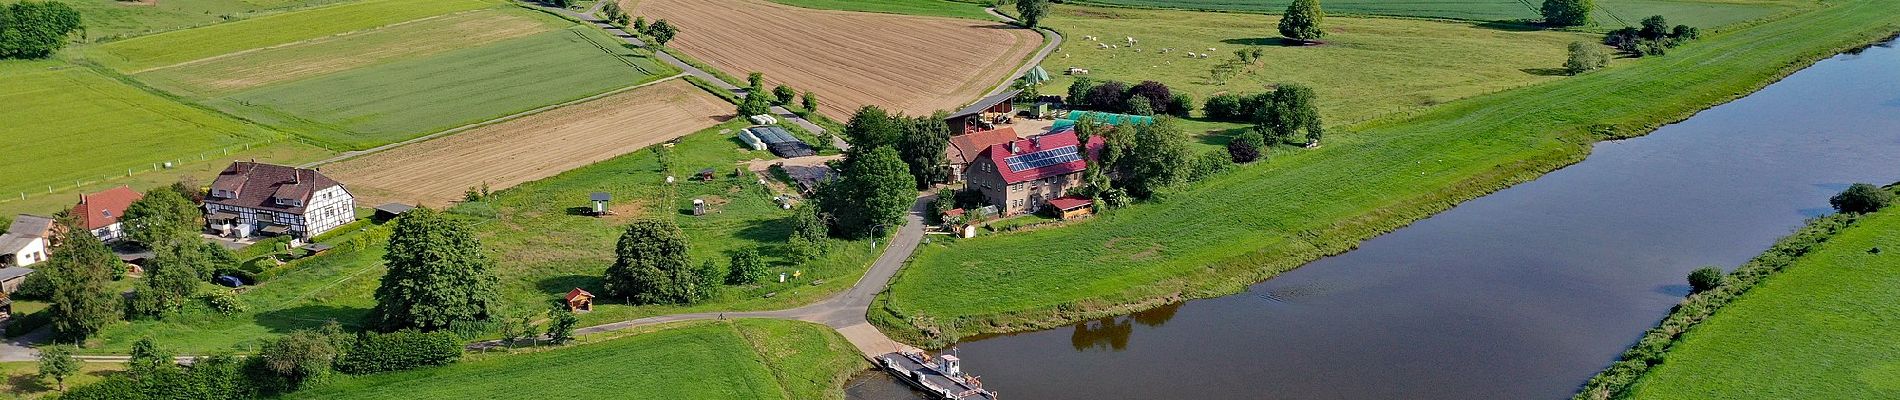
[
  {"x": 436, "y": 172},
  {"x": 904, "y": 63}
]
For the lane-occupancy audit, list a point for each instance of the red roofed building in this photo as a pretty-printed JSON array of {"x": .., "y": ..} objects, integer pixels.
[
  {"x": 274, "y": 199},
  {"x": 579, "y": 300},
  {"x": 963, "y": 149},
  {"x": 100, "y": 212},
  {"x": 1021, "y": 176}
]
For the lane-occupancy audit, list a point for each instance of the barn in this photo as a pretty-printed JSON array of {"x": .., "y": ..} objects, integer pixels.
[{"x": 985, "y": 114}]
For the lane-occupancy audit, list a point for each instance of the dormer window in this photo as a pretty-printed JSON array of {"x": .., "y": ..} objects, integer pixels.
[
  {"x": 287, "y": 202},
  {"x": 107, "y": 213},
  {"x": 223, "y": 194}
]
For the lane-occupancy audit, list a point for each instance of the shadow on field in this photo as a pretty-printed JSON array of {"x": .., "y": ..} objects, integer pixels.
[
  {"x": 20, "y": 385},
  {"x": 309, "y": 317},
  {"x": 1511, "y": 26},
  {"x": 1546, "y": 71},
  {"x": 559, "y": 285},
  {"x": 1272, "y": 41}
]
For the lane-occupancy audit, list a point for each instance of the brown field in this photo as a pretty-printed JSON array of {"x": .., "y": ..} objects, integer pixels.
[
  {"x": 436, "y": 172},
  {"x": 911, "y": 64}
]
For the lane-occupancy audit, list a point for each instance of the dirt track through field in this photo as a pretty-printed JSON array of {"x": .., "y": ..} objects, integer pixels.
[
  {"x": 436, "y": 172},
  {"x": 904, "y": 63}
]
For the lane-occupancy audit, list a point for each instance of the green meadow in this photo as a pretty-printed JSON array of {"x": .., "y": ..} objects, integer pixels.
[
  {"x": 543, "y": 246},
  {"x": 933, "y": 8},
  {"x": 118, "y": 19},
  {"x": 1608, "y": 14},
  {"x": 153, "y": 51},
  {"x": 743, "y": 359},
  {"x": 1824, "y": 328},
  {"x": 1219, "y": 235}
]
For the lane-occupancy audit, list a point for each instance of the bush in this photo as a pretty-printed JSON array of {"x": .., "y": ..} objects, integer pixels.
[
  {"x": 1209, "y": 164},
  {"x": 1228, "y": 107},
  {"x": 1859, "y": 198},
  {"x": 1585, "y": 57},
  {"x": 38, "y": 286},
  {"x": 24, "y": 324},
  {"x": 1157, "y": 94},
  {"x": 1566, "y": 12},
  {"x": 1181, "y": 105},
  {"x": 1245, "y": 148},
  {"x": 1107, "y": 96},
  {"x": 223, "y": 301},
  {"x": 400, "y": 350},
  {"x": 1705, "y": 278}
]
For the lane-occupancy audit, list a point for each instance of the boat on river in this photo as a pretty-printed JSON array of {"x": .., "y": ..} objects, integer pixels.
[{"x": 942, "y": 378}]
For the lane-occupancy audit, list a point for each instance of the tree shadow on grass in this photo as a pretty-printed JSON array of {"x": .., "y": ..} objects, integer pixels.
[
  {"x": 310, "y": 317},
  {"x": 26, "y": 383},
  {"x": 1546, "y": 71},
  {"x": 1511, "y": 26},
  {"x": 580, "y": 211},
  {"x": 559, "y": 285},
  {"x": 1271, "y": 41}
]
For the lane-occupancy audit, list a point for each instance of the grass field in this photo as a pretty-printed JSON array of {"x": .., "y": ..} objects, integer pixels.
[
  {"x": 20, "y": 380},
  {"x": 1824, "y": 328},
  {"x": 933, "y": 8},
  {"x": 146, "y": 52},
  {"x": 745, "y": 359},
  {"x": 542, "y": 248},
  {"x": 1368, "y": 68},
  {"x": 1220, "y": 235},
  {"x": 115, "y": 19},
  {"x": 65, "y": 124},
  {"x": 1608, "y": 14}
]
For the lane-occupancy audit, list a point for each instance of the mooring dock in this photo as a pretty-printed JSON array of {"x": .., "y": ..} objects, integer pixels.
[{"x": 942, "y": 378}]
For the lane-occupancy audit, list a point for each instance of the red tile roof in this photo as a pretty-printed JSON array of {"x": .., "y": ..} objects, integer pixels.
[
  {"x": 577, "y": 292},
  {"x": 257, "y": 186},
  {"x": 1053, "y": 143},
  {"x": 99, "y": 210},
  {"x": 1066, "y": 203},
  {"x": 965, "y": 148}
]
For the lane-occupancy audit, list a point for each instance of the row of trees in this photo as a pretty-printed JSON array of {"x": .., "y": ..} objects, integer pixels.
[
  {"x": 36, "y": 29},
  {"x": 1146, "y": 98},
  {"x": 1136, "y": 161},
  {"x": 1654, "y": 38},
  {"x": 1288, "y": 114},
  {"x": 781, "y": 95}
]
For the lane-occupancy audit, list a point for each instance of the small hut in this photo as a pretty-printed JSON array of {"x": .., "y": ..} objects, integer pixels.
[
  {"x": 699, "y": 207},
  {"x": 600, "y": 200},
  {"x": 579, "y": 300},
  {"x": 705, "y": 175}
]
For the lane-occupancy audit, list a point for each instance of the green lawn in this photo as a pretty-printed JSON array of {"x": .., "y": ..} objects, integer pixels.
[
  {"x": 146, "y": 52},
  {"x": 542, "y": 249},
  {"x": 390, "y": 102},
  {"x": 1824, "y": 328},
  {"x": 1218, "y": 236},
  {"x": 1705, "y": 13},
  {"x": 116, "y": 19},
  {"x": 745, "y": 359},
  {"x": 1369, "y": 67},
  {"x": 933, "y": 8},
  {"x": 20, "y": 379},
  {"x": 66, "y": 125}
]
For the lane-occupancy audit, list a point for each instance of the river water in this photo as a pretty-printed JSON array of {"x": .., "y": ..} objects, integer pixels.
[{"x": 1522, "y": 294}]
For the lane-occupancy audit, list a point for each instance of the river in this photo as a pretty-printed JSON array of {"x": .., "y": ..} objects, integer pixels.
[{"x": 1522, "y": 294}]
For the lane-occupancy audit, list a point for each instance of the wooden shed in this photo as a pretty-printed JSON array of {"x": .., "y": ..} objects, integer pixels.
[{"x": 580, "y": 300}]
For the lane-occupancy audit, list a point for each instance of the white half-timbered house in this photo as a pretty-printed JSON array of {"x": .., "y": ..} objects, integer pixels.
[{"x": 250, "y": 198}]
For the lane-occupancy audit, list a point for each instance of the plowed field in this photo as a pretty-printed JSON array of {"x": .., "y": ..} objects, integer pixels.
[{"x": 904, "y": 63}]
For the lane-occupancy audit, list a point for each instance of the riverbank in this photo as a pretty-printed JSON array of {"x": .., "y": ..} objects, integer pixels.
[
  {"x": 1807, "y": 311},
  {"x": 1251, "y": 224}
]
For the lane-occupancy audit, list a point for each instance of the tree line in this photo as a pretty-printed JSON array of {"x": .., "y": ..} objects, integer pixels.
[
  {"x": 1146, "y": 98},
  {"x": 37, "y": 29}
]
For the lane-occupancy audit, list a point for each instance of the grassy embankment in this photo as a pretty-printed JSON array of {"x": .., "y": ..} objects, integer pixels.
[
  {"x": 1706, "y": 13},
  {"x": 742, "y": 359},
  {"x": 1824, "y": 327},
  {"x": 542, "y": 248},
  {"x": 1235, "y": 229}
]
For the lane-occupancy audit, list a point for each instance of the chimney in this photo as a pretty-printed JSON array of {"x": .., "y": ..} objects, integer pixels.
[
  {"x": 1012, "y": 147},
  {"x": 1035, "y": 141}
]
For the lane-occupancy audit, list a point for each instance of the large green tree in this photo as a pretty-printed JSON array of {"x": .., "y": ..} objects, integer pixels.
[
  {"x": 1159, "y": 158},
  {"x": 438, "y": 275},
  {"x": 57, "y": 363},
  {"x": 809, "y": 231},
  {"x": 745, "y": 268},
  {"x": 1302, "y": 21},
  {"x": 872, "y": 127},
  {"x": 1290, "y": 114},
  {"x": 163, "y": 217},
  {"x": 874, "y": 190},
  {"x": 922, "y": 144},
  {"x": 651, "y": 266},
  {"x": 661, "y": 32},
  {"x": 171, "y": 279},
  {"x": 1032, "y": 11},
  {"x": 1861, "y": 198},
  {"x": 80, "y": 273},
  {"x": 36, "y": 29},
  {"x": 1567, "y": 12}
]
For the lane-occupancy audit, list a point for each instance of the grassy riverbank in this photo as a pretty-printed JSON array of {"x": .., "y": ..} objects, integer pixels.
[
  {"x": 744, "y": 359},
  {"x": 1220, "y": 235},
  {"x": 1823, "y": 328}
]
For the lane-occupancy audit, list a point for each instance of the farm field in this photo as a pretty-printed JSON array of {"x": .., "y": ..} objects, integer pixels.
[
  {"x": 915, "y": 65},
  {"x": 543, "y": 247},
  {"x": 147, "y": 52},
  {"x": 436, "y": 172},
  {"x": 743, "y": 359},
  {"x": 57, "y": 111},
  {"x": 1218, "y": 236},
  {"x": 929, "y": 8},
  {"x": 1705, "y": 13},
  {"x": 1369, "y": 67},
  {"x": 1824, "y": 328},
  {"x": 117, "y": 19}
]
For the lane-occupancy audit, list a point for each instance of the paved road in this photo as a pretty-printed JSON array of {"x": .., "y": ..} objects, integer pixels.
[{"x": 1055, "y": 41}]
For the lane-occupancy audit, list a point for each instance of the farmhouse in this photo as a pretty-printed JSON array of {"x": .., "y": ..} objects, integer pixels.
[
  {"x": 964, "y": 149},
  {"x": 100, "y": 212},
  {"x": 276, "y": 200},
  {"x": 27, "y": 241},
  {"x": 983, "y": 115},
  {"x": 1023, "y": 175}
]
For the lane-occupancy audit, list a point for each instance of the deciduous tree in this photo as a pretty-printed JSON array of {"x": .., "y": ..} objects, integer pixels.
[
  {"x": 438, "y": 275},
  {"x": 746, "y": 268},
  {"x": 921, "y": 144},
  {"x": 874, "y": 190},
  {"x": 1566, "y": 12},
  {"x": 661, "y": 32},
  {"x": 1287, "y": 112},
  {"x": 1110, "y": 96},
  {"x": 36, "y": 29},
  {"x": 164, "y": 217},
  {"x": 1159, "y": 97},
  {"x": 561, "y": 325},
  {"x": 1585, "y": 57},
  {"x": 809, "y": 101},
  {"x": 1245, "y": 147},
  {"x": 80, "y": 273},
  {"x": 809, "y": 231},
  {"x": 785, "y": 94},
  {"x": 650, "y": 265},
  {"x": 1159, "y": 158},
  {"x": 1302, "y": 21},
  {"x": 57, "y": 363},
  {"x": 1032, "y": 11},
  {"x": 1705, "y": 278},
  {"x": 1861, "y": 198}
]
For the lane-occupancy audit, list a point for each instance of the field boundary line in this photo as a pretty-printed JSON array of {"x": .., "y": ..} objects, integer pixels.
[
  {"x": 321, "y": 39},
  {"x": 378, "y": 149}
]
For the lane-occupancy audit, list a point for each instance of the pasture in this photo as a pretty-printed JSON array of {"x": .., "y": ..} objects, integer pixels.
[
  {"x": 928, "y": 8},
  {"x": 117, "y": 19},
  {"x": 1609, "y": 14},
  {"x": 1368, "y": 67},
  {"x": 916, "y": 65},
  {"x": 543, "y": 246},
  {"x": 66, "y": 126},
  {"x": 147, "y": 52},
  {"x": 1824, "y": 328},
  {"x": 436, "y": 172},
  {"x": 743, "y": 359},
  {"x": 1219, "y": 235}
]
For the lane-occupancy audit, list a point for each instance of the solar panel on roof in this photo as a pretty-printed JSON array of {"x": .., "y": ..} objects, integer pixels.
[{"x": 1059, "y": 155}]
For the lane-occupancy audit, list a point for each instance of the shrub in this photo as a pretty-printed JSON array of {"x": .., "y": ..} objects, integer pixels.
[
  {"x": 1157, "y": 94},
  {"x": 1705, "y": 278},
  {"x": 1861, "y": 198},
  {"x": 37, "y": 286},
  {"x": 1245, "y": 148},
  {"x": 223, "y": 301},
  {"x": 785, "y": 94},
  {"x": 1208, "y": 164},
  {"x": 1181, "y": 105},
  {"x": 1228, "y": 107},
  {"x": 1585, "y": 57},
  {"x": 1138, "y": 105},
  {"x": 746, "y": 267},
  {"x": 400, "y": 350},
  {"x": 1107, "y": 96}
]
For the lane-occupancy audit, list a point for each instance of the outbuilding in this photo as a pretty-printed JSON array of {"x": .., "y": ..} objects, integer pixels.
[
  {"x": 983, "y": 115},
  {"x": 579, "y": 300}
]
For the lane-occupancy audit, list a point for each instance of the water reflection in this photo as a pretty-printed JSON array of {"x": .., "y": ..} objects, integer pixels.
[{"x": 1112, "y": 333}]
